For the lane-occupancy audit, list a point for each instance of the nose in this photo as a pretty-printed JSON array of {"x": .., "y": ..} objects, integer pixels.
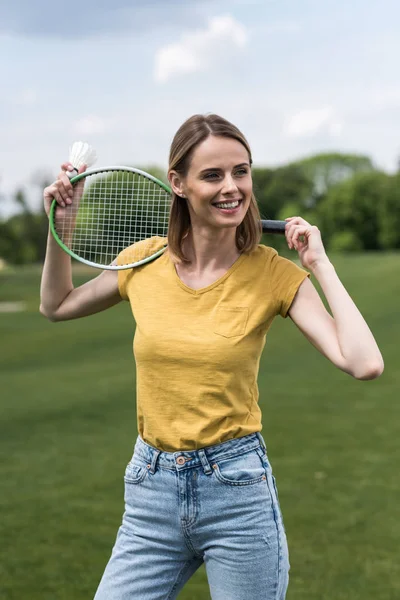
[{"x": 229, "y": 186}]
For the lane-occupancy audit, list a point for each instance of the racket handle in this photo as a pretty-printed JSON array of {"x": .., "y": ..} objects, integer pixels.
[{"x": 269, "y": 226}]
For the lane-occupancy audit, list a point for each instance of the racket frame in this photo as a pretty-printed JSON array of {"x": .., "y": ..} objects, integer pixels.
[{"x": 98, "y": 171}]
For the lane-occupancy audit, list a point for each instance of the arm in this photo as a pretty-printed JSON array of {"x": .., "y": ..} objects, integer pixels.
[
  {"x": 60, "y": 301},
  {"x": 344, "y": 338}
]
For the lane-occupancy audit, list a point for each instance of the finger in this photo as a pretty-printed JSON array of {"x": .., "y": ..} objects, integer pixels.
[
  {"x": 288, "y": 235},
  {"x": 290, "y": 228},
  {"x": 67, "y": 166},
  {"x": 62, "y": 187},
  {"x": 298, "y": 220},
  {"x": 82, "y": 169},
  {"x": 294, "y": 222},
  {"x": 293, "y": 235},
  {"x": 66, "y": 169},
  {"x": 289, "y": 231},
  {"x": 66, "y": 188},
  {"x": 58, "y": 197},
  {"x": 61, "y": 190},
  {"x": 300, "y": 230}
]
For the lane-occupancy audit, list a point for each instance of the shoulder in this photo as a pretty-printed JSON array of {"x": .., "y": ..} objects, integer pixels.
[
  {"x": 266, "y": 258},
  {"x": 139, "y": 250},
  {"x": 276, "y": 262},
  {"x": 132, "y": 254},
  {"x": 262, "y": 253}
]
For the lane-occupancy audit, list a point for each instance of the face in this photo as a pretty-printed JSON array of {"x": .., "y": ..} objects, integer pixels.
[{"x": 218, "y": 185}]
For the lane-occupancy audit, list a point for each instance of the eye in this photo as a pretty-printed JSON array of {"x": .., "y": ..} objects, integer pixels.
[
  {"x": 211, "y": 176},
  {"x": 241, "y": 172}
]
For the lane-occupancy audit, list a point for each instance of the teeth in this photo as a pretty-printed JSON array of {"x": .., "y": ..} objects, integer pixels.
[{"x": 227, "y": 204}]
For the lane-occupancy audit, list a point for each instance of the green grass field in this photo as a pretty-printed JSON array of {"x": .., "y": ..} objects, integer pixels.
[{"x": 68, "y": 425}]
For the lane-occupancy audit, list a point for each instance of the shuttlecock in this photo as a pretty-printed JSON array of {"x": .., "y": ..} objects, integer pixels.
[{"x": 81, "y": 153}]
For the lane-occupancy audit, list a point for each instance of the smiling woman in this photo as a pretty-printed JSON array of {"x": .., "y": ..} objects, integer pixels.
[
  {"x": 210, "y": 176},
  {"x": 199, "y": 486}
]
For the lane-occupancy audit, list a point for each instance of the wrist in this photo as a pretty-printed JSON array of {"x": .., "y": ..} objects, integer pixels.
[{"x": 321, "y": 266}]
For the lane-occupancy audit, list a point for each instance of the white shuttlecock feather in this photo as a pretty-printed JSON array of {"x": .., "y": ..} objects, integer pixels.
[{"x": 82, "y": 153}]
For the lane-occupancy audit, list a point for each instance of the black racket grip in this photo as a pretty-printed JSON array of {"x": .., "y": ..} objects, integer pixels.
[{"x": 269, "y": 226}]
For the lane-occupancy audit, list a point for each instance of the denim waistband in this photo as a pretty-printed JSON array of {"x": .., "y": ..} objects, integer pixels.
[{"x": 188, "y": 459}]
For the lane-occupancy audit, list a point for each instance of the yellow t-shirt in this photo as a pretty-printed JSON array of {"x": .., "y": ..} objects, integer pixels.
[{"x": 197, "y": 352}]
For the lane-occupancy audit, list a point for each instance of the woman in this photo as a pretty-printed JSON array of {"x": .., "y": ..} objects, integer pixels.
[{"x": 199, "y": 487}]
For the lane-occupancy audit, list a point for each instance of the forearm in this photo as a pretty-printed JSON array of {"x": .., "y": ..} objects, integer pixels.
[
  {"x": 56, "y": 281},
  {"x": 356, "y": 342}
]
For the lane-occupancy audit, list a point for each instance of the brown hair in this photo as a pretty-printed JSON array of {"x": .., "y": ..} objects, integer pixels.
[{"x": 194, "y": 131}]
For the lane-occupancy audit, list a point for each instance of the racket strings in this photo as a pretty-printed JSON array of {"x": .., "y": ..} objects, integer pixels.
[{"x": 112, "y": 211}]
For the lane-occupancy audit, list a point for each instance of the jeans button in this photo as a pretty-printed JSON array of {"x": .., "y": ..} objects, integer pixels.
[{"x": 181, "y": 460}]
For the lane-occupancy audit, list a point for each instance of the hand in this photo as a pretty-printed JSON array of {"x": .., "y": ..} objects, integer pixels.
[
  {"x": 311, "y": 249},
  {"x": 61, "y": 190}
]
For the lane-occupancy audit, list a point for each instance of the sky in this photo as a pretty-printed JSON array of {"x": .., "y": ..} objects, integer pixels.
[{"x": 296, "y": 76}]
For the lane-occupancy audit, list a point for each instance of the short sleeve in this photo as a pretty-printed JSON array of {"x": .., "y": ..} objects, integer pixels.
[
  {"x": 130, "y": 255},
  {"x": 286, "y": 278},
  {"x": 123, "y": 274}
]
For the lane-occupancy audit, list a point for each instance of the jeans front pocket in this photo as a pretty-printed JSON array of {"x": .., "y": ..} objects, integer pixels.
[
  {"x": 242, "y": 469},
  {"x": 135, "y": 471}
]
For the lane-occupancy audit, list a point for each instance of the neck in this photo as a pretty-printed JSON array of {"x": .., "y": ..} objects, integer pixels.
[{"x": 213, "y": 249}]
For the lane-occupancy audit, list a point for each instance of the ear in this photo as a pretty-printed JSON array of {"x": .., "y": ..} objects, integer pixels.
[{"x": 176, "y": 183}]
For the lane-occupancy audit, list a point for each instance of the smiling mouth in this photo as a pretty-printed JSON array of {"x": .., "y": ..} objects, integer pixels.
[{"x": 231, "y": 204}]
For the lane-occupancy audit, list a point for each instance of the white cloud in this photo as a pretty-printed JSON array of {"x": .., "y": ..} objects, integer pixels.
[
  {"x": 200, "y": 49},
  {"x": 309, "y": 122}
]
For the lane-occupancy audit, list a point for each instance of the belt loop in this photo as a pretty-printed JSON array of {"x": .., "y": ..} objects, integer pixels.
[
  {"x": 261, "y": 440},
  {"x": 204, "y": 461},
  {"x": 156, "y": 454}
]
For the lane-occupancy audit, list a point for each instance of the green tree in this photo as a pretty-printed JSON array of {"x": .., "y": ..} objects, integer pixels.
[
  {"x": 354, "y": 206},
  {"x": 23, "y": 235},
  {"x": 326, "y": 170},
  {"x": 389, "y": 215},
  {"x": 274, "y": 189}
]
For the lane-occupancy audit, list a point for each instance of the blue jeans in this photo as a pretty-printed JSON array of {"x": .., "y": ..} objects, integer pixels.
[{"x": 216, "y": 505}]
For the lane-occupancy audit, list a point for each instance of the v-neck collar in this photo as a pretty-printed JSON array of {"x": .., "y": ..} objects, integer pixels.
[{"x": 203, "y": 290}]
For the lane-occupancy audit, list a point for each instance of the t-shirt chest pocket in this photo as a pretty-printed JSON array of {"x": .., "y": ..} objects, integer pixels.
[{"x": 231, "y": 322}]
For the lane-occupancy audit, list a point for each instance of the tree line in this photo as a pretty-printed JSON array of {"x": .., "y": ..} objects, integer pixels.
[{"x": 355, "y": 205}]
